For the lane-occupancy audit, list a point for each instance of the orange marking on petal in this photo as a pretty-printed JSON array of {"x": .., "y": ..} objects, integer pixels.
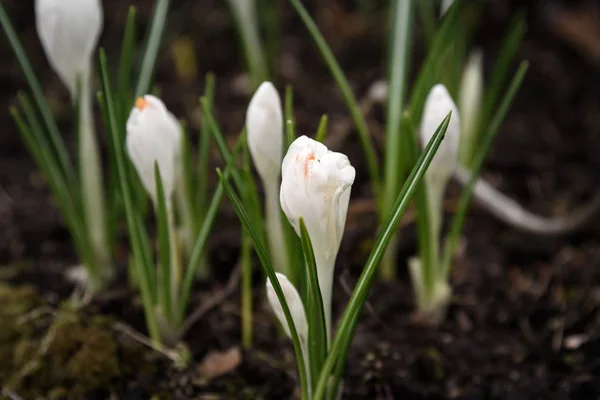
[
  {"x": 309, "y": 158},
  {"x": 141, "y": 103}
]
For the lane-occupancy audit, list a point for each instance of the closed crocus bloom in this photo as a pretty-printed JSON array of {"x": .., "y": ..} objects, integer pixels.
[
  {"x": 264, "y": 125},
  {"x": 69, "y": 31},
  {"x": 316, "y": 186},
  {"x": 471, "y": 96},
  {"x": 154, "y": 136},
  {"x": 294, "y": 303},
  {"x": 437, "y": 105}
]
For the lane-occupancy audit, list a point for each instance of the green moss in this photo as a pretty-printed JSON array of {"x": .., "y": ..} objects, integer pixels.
[{"x": 61, "y": 354}]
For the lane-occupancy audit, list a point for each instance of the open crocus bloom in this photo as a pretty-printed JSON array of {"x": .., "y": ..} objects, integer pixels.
[
  {"x": 154, "y": 136},
  {"x": 316, "y": 186}
]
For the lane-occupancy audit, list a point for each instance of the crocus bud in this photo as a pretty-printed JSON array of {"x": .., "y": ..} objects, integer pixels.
[
  {"x": 154, "y": 136},
  {"x": 264, "y": 125},
  {"x": 316, "y": 186},
  {"x": 437, "y": 105},
  {"x": 69, "y": 31},
  {"x": 294, "y": 303},
  {"x": 471, "y": 96}
]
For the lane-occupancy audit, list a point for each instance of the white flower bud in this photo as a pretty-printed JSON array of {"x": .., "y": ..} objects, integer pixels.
[
  {"x": 69, "y": 31},
  {"x": 471, "y": 97},
  {"x": 264, "y": 125},
  {"x": 316, "y": 186},
  {"x": 294, "y": 303},
  {"x": 154, "y": 136},
  {"x": 437, "y": 105}
]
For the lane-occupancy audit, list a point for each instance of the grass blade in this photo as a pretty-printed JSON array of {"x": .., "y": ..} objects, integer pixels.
[
  {"x": 164, "y": 249},
  {"x": 152, "y": 46},
  {"x": 344, "y": 86},
  {"x": 317, "y": 336},
  {"x": 341, "y": 341},
  {"x": 399, "y": 59},
  {"x": 270, "y": 272}
]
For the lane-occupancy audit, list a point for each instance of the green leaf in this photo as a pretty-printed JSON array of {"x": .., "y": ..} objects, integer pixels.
[
  {"x": 344, "y": 86},
  {"x": 347, "y": 325},
  {"x": 203, "y": 235},
  {"x": 399, "y": 57},
  {"x": 204, "y": 148},
  {"x": 125, "y": 64},
  {"x": 465, "y": 198},
  {"x": 164, "y": 248},
  {"x": 322, "y": 129},
  {"x": 270, "y": 272},
  {"x": 317, "y": 333},
  {"x": 289, "y": 119},
  {"x": 499, "y": 74},
  {"x": 426, "y": 77},
  {"x": 152, "y": 46},
  {"x": 221, "y": 143}
]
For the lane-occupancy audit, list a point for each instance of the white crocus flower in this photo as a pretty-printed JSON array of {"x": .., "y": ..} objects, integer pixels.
[
  {"x": 437, "y": 105},
  {"x": 154, "y": 136},
  {"x": 471, "y": 97},
  {"x": 294, "y": 303},
  {"x": 264, "y": 125},
  {"x": 316, "y": 186},
  {"x": 69, "y": 32}
]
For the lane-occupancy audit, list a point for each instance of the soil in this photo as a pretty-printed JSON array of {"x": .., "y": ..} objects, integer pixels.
[{"x": 524, "y": 320}]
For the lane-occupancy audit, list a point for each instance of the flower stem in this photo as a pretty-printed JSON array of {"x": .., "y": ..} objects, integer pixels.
[
  {"x": 91, "y": 185},
  {"x": 176, "y": 268},
  {"x": 275, "y": 233},
  {"x": 246, "y": 307}
]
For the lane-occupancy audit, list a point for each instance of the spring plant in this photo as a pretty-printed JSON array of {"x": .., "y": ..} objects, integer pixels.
[
  {"x": 264, "y": 126},
  {"x": 155, "y": 144},
  {"x": 314, "y": 194},
  {"x": 425, "y": 103},
  {"x": 91, "y": 209}
]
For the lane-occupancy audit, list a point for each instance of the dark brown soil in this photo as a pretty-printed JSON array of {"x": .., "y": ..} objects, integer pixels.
[{"x": 524, "y": 321}]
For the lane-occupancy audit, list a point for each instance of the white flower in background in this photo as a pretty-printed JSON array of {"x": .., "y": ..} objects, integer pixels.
[
  {"x": 294, "y": 303},
  {"x": 154, "y": 136},
  {"x": 445, "y": 6},
  {"x": 264, "y": 125},
  {"x": 69, "y": 31},
  {"x": 437, "y": 105},
  {"x": 316, "y": 186},
  {"x": 471, "y": 97}
]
